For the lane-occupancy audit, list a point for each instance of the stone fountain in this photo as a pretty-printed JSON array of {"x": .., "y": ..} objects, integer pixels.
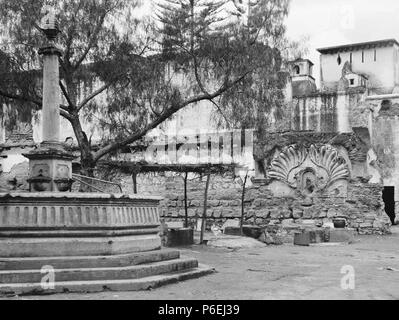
[{"x": 82, "y": 242}]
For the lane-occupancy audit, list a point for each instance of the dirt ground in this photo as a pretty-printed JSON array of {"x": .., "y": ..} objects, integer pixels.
[{"x": 282, "y": 272}]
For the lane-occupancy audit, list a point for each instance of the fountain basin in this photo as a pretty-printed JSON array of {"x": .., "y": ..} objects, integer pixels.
[{"x": 76, "y": 224}]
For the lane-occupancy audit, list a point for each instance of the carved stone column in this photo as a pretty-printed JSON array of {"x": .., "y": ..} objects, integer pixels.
[{"x": 50, "y": 167}]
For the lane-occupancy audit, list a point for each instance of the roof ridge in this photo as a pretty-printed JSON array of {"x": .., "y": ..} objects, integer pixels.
[{"x": 359, "y": 44}]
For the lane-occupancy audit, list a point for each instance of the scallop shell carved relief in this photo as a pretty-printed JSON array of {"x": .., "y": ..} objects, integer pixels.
[
  {"x": 283, "y": 167},
  {"x": 309, "y": 170},
  {"x": 328, "y": 159}
]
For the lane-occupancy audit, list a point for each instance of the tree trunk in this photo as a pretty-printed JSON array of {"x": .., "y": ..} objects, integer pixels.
[
  {"x": 87, "y": 170},
  {"x": 86, "y": 156},
  {"x": 203, "y": 226}
]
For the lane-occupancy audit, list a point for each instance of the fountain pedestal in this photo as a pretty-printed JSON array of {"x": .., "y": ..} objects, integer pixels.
[
  {"x": 50, "y": 170},
  {"x": 50, "y": 166}
]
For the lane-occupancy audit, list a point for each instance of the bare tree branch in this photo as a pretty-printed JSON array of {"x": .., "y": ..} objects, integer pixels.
[
  {"x": 163, "y": 117},
  {"x": 93, "y": 95},
  {"x": 67, "y": 97},
  {"x": 66, "y": 115}
]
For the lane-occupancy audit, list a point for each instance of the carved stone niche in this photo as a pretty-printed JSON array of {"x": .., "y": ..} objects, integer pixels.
[{"x": 313, "y": 171}]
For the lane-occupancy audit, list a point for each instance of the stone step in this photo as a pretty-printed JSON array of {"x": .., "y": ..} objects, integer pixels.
[
  {"x": 146, "y": 283},
  {"x": 100, "y": 274},
  {"x": 88, "y": 262}
]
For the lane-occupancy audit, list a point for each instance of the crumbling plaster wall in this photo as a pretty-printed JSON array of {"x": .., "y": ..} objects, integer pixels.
[{"x": 331, "y": 112}]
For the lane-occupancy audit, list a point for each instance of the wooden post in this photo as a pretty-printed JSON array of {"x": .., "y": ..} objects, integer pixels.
[
  {"x": 134, "y": 176},
  {"x": 243, "y": 204},
  {"x": 135, "y": 172},
  {"x": 185, "y": 200},
  {"x": 203, "y": 226}
]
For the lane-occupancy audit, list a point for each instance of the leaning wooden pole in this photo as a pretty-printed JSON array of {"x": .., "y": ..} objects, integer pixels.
[
  {"x": 185, "y": 200},
  {"x": 203, "y": 226},
  {"x": 243, "y": 204}
]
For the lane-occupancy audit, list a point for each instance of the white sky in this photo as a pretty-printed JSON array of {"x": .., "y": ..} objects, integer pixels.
[{"x": 337, "y": 22}]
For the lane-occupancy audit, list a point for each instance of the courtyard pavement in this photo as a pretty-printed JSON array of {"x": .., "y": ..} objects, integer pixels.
[{"x": 281, "y": 272}]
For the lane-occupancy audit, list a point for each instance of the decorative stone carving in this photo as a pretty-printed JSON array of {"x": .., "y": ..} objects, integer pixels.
[
  {"x": 283, "y": 167},
  {"x": 328, "y": 159},
  {"x": 309, "y": 170},
  {"x": 50, "y": 170}
]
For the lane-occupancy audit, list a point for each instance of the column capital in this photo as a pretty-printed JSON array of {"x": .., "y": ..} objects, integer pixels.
[{"x": 50, "y": 50}]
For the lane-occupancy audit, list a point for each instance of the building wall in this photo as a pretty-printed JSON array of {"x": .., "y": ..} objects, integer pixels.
[
  {"x": 386, "y": 145},
  {"x": 382, "y": 73},
  {"x": 315, "y": 113}
]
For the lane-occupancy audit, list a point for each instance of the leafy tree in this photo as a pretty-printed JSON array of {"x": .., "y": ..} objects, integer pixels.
[
  {"x": 260, "y": 96},
  {"x": 132, "y": 64}
]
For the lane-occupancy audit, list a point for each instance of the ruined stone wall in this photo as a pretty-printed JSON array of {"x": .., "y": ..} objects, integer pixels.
[
  {"x": 224, "y": 198},
  {"x": 363, "y": 207}
]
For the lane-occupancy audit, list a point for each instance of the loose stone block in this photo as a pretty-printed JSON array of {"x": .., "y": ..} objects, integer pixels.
[
  {"x": 232, "y": 231},
  {"x": 302, "y": 239},
  {"x": 180, "y": 237}
]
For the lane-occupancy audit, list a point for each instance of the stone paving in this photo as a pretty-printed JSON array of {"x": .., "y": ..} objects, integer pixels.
[{"x": 283, "y": 272}]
